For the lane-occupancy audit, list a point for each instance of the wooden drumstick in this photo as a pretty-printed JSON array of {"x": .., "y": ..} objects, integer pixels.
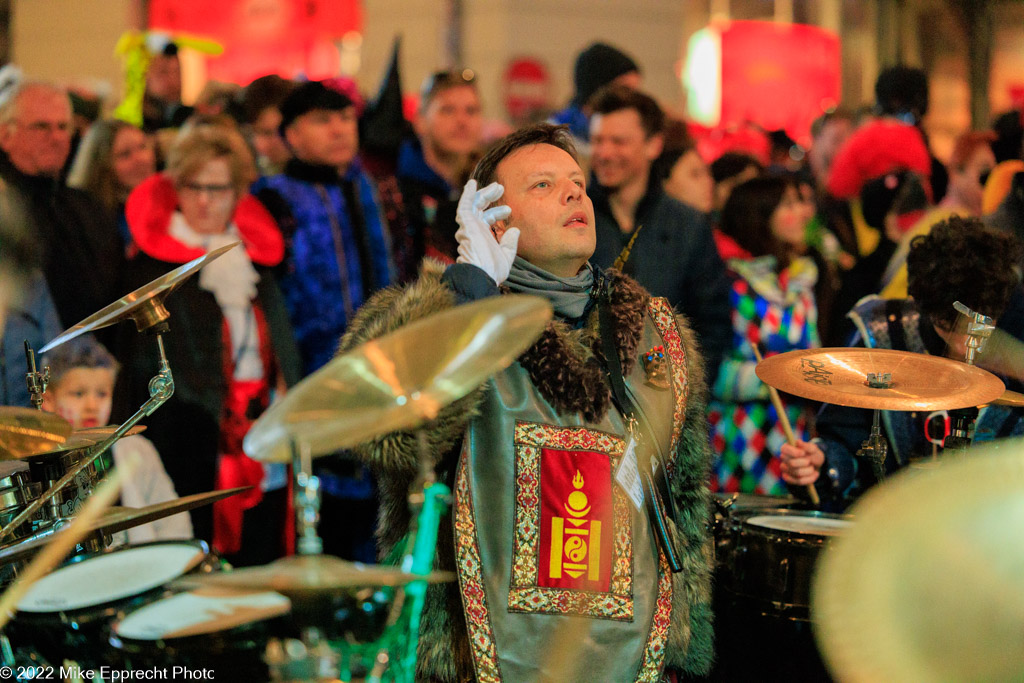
[
  {"x": 63, "y": 541},
  {"x": 780, "y": 410}
]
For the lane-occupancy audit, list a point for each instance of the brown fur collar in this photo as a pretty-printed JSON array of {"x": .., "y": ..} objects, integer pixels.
[{"x": 567, "y": 365}]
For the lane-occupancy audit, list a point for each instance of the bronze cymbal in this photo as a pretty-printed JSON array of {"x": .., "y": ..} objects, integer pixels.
[
  {"x": 117, "y": 519},
  {"x": 401, "y": 379},
  {"x": 927, "y": 583},
  {"x": 1010, "y": 398},
  {"x": 145, "y": 305},
  {"x": 305, "y": 576},
  {"x": 919, "y": 381},
  {"x": 121, "y": 518},
  {"x": 107, "y": 430},
  {"x": 24, "y": 431}
]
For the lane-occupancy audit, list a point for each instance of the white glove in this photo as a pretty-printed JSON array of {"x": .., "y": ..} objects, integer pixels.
[{"x": 477, "y": 244}]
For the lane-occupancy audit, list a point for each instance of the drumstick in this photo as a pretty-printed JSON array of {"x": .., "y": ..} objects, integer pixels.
[
  {"x": 63, "y": 541},
  {"x": 780, "y": 410}
]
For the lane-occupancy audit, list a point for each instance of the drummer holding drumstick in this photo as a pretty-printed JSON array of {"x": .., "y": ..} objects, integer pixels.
[{"x": 960, "y": 260}]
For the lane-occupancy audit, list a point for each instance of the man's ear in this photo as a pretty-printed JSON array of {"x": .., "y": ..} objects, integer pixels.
[
  {"x": 654, "y": 145},
  {"x": 499, "y": 228}
]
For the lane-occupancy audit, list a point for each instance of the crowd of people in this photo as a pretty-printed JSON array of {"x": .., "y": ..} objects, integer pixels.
[{"x": 761, "y": 253}]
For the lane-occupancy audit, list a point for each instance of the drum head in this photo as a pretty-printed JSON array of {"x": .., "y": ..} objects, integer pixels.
[
  {"x": 111, "y": 576},
  {"x": 812, "y": 525},
  {"x": 199, "y": 612}
]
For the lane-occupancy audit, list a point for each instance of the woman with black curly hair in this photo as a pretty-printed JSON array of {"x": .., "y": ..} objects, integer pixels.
[{"x": 959, "y": 260}]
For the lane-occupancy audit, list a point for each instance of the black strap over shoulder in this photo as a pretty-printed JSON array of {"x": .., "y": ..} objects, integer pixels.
[{"x": 657, "y": 497}]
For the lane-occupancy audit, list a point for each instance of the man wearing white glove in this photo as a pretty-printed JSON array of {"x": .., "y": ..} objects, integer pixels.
[
  {"x": 543, "y": 538},
  {"x": 477, "y": 242}
]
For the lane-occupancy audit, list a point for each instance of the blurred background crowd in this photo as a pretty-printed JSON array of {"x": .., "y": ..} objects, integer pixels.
[{"x": 765, "y": 225}]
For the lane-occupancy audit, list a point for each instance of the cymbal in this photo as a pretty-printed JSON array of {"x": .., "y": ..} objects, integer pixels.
[
  {"x": 928, "y": 582},
  {"x": 1010, "y": 398},
  {"x": 24, "y": 431},
  {"x": 306, "y": 576},
  {"x": 401, "y": 379},
  {"x": 919, "y": 381},
  {"x": 119, "y": 519},
  {"x": 144, "y": 305},
  {"x": 78, "y": 440}
]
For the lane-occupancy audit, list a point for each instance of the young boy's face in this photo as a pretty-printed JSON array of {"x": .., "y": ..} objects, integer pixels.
[{"x": 82, "y": 397}]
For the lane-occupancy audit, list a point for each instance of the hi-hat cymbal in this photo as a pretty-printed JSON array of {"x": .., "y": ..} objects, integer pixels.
[
  {"x": 919, "y": 381},
  {"x": 119, "y": 519},
  {"x": 145, "y": 305},
  {"x": 306, "y": 576},
  {"x": 24, "y": 431},
  {"x": 401, "y": 379},
  {"x": 928, "y": 582}
]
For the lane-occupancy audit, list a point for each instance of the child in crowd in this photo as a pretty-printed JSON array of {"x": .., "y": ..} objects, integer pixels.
[{"x": 82, "y": 374}]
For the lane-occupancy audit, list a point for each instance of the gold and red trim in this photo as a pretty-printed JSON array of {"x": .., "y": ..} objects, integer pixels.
[
  {"x": 525, "y": 595},
  {"x": 665, "y": 320},
  {"x": 474, "y": 600}
]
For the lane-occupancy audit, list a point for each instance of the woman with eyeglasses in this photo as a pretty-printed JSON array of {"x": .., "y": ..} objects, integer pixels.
[{"x": 230, "y": 345}]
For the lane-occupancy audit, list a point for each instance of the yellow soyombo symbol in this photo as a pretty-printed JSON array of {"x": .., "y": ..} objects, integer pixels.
[{"x": 569, "y": 550}]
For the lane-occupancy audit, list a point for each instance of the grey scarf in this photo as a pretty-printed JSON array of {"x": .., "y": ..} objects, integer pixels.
[{"x": 568, "y": 295}]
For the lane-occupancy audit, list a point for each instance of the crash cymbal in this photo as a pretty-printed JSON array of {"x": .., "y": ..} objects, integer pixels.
[
  {"x": 928, "y": 582},
  {"x": 24, "y": 431},
  {"x": 305, "y": 576},
  {"x": 401, "y": 379},
  {"x": 117, "y": 519},
  {"x": 1010, "y": 398},
  {"x": 145, "y": 305},
  {"x": 81, "y": 439},
  {"x": 918, "y": 381}
]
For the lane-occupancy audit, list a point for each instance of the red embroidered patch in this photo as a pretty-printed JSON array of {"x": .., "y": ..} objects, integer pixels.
[{"x": 576, "y": 520}]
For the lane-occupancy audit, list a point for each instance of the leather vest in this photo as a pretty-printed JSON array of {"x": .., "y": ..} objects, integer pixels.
[{"x": 560, "y": 573}]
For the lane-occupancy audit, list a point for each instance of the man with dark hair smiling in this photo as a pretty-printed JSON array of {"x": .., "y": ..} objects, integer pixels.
[
  {"x": 671, "y": 250},
  {"x": 563, "y": 426}
]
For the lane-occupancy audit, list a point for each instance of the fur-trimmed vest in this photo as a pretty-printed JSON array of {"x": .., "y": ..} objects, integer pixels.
[{"x": 540, "y": 533}]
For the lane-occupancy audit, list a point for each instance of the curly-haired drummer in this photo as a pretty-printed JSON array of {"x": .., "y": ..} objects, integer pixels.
[{"x": 960, "y": 260}]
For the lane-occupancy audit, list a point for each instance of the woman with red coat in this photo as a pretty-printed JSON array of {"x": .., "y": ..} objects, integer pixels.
[{"x": 230, "y": 346}]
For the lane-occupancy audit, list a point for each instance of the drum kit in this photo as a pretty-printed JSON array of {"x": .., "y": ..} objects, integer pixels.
[
  {"x": 801, "y": 570},
  {"x": 174, "y": 603}
]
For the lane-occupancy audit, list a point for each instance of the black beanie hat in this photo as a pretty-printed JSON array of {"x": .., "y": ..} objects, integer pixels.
[
  {"x": 307, "y": 97},
  {"x": 597, "y": 66}
]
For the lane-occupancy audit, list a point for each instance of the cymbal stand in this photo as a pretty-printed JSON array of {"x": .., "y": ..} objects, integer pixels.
[
  {"x": 875, "y": 448},
  {"x": 161, "y": 388},
  {"x": 428, "y": 501},
  {"x": 979, "y": 330},
  {"x": 36, "y": 380},
  {"x": 309, "y": 658}
]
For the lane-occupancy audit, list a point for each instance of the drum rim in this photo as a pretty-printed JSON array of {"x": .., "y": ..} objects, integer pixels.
[{"x": 106, "y": 610}]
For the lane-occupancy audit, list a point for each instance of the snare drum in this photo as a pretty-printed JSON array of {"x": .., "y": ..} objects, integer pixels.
[
  {"x": 774, "y": 555},
  {"x": 209, "y": 628},
  {"x": 64, "y": 615}
]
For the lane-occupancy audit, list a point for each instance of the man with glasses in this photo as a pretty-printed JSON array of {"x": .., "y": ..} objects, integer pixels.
[
  {"x": 76, "y": 240},
  {"x": 433, "y": 166}
]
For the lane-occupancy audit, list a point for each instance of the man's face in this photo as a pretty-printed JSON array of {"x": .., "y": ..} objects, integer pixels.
[
  {"x": 325, "y": 136},
  {"x": 825, "y": 146},
  {"x": 452, "y": 124},
  {"x": 83, "y": 397},
  {"x": 546, "y": 190},
  {"x": 163, "y": 79},
  {"x": 38, "y": 140},
  {"x": 622, "y": 152}
]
